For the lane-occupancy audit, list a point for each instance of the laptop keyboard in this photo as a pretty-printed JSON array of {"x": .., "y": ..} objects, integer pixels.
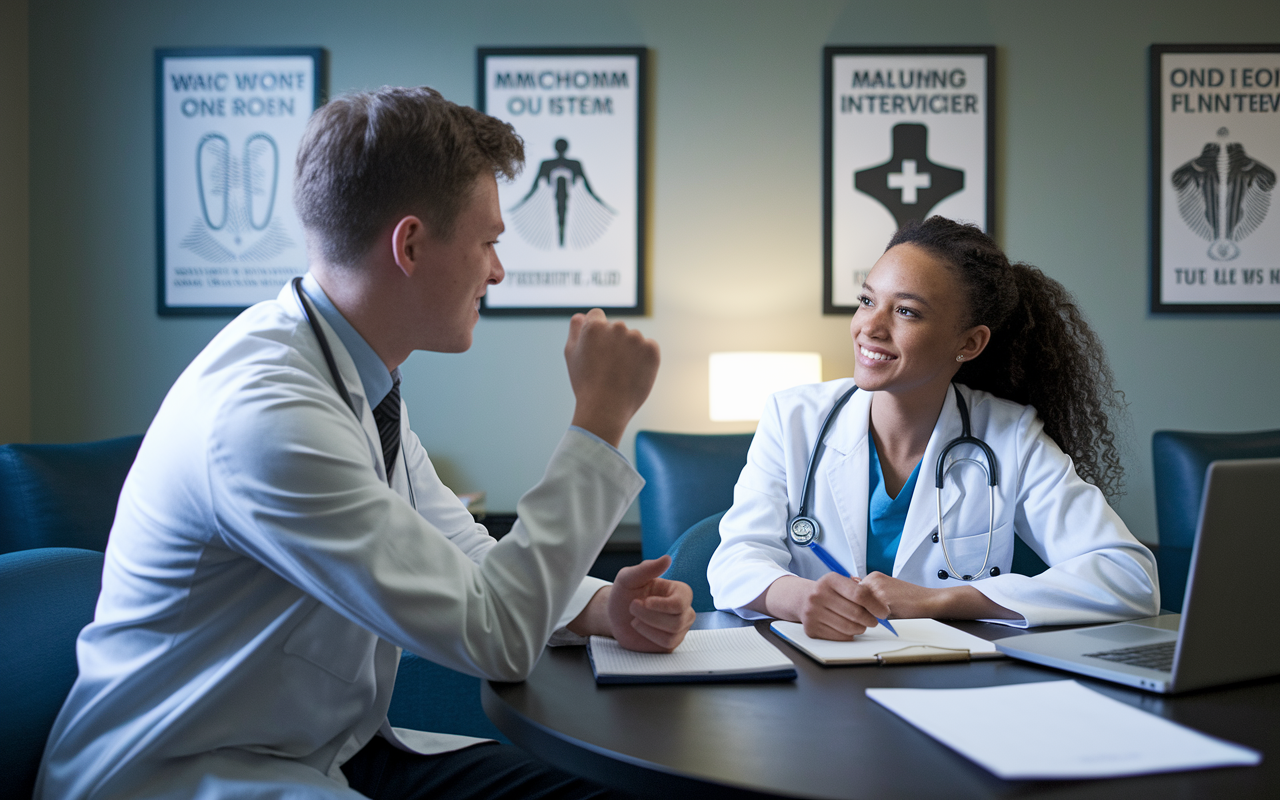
[{"x": 1151, "y": 656}]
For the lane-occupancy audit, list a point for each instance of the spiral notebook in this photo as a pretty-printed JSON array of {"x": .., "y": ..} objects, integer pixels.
[
  {"x": 919, "y": 641},
  {"x": 717, "y": 654}
]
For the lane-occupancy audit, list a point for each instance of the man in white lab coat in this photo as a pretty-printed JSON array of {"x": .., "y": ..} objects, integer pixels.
[{"x": 282, "y": 534}]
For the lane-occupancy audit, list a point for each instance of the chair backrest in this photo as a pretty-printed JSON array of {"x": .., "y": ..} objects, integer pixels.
[
  {"x": 1180, "y": 459},
  {"x": 690, "y": 555},
  {"x": 62, "y": 495},
  {"x": 429, "y": 697},
  {"x": 46, "y": 597},
  {"x": 687, "y": 477}
]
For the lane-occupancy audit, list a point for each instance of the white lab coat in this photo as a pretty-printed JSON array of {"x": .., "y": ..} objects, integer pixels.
[
  {"x": 1098, "y": 571},
  {"x": 261, "y": 578}
]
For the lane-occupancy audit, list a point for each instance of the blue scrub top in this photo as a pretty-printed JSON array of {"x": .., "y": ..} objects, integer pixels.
[{"x": 886, "y": 516}]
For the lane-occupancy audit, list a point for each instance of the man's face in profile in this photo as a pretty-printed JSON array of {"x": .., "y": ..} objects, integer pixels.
[{"x": 460, "y": 269}]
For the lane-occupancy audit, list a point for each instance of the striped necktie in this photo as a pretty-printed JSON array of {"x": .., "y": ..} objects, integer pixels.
[{"x": 387, "y": 417}]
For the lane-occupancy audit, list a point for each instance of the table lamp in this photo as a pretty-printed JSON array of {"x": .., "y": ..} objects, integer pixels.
[{"x": 740, "y": 383}]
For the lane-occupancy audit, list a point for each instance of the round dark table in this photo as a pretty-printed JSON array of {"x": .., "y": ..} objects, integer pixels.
[{"x": 819, "y": 736}]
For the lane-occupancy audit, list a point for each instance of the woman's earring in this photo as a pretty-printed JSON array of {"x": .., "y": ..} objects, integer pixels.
[{"x": 960, "y": 358}]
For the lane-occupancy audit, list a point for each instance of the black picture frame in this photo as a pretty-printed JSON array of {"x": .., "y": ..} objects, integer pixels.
[
  {"x": 1169, "y": 243},
  {"x": 166, "y": 305},
  {"x": 571, "y": 300},
  {"x": 915, "y": 107}
]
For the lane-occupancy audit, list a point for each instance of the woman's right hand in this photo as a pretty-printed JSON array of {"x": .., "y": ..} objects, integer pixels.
[{"x": 832, "y": 607}]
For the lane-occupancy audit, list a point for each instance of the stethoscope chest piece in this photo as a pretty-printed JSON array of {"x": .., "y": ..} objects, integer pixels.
[{"x": 803, "y": 530}]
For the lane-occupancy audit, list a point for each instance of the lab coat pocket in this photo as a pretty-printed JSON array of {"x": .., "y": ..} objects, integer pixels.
[
  {"x": 968, "y": 552},
  {"x": 331, "y": 642}
]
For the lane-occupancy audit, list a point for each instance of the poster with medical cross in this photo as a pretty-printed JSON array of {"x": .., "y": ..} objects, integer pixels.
[{"x": 907, "y": 135}]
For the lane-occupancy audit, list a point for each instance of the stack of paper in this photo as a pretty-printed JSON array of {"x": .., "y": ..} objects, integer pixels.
[
  {"x": 1057, "y": 729},
  {"x": 723, "y": 654}
]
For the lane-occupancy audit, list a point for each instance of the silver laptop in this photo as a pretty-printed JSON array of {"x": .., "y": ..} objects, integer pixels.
[{"x": 1226, "y": 631}]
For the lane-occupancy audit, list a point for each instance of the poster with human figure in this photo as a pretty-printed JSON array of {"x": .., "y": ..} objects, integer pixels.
[
  {"x": 228, "y": 125},
  {"x": 908, "y": 134},
  {"x": 1215, "y": 127},
  {"x": 574, "y": 216}
]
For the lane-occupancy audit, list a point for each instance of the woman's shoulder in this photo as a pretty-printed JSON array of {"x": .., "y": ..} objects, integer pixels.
[
  {"x": 811, "y": 397},
  {"x": 990, "y": 412}
]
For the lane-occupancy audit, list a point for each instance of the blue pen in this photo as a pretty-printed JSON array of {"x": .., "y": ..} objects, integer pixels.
[{"x": 835, "y": 567}]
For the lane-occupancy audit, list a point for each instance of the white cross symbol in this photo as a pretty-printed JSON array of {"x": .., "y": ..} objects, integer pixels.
[{"x": 908, "y": 181}]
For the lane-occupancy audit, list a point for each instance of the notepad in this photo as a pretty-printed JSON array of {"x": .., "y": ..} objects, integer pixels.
[
  {"x": 918, "y": 641},
  {"x": 720, "y": 654},
  {"x": 1058, "y": 730}
]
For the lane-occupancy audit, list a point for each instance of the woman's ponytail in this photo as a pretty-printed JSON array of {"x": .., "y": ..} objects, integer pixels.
[{"x": 1042, "y": 352}]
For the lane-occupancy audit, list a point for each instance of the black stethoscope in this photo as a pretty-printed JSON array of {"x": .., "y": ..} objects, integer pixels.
[
  {"x": 805, "y": 530},
  {"x": 333, "y": 370}
]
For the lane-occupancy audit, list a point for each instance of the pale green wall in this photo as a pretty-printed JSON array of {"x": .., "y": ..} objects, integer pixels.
[
  {"x": 736, "y": 200},
  {"x": 15, "y": 338}
]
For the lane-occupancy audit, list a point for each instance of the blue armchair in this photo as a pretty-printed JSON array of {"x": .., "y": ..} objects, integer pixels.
[
  {"x": 62, "y": 495},
  {"x": 689, "y": 557},
  {"x": 1180, "y": 459},
  {"x": 65, "y": 495},
  {"x": 46, "y": 597},
  {"x": 687, "y": 478}
]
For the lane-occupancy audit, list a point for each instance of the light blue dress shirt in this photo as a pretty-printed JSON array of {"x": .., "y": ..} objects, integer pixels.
[{"x": 374, "y": 377}]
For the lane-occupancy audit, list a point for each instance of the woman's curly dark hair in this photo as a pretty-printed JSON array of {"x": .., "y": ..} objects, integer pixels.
[{"x": 1042, "y": 352}]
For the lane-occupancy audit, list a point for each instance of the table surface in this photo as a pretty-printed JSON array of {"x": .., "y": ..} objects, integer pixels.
[{"x": 819, "y": 736}]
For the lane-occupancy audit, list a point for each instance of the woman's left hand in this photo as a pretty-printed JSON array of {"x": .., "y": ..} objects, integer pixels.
[
  {"x": 909, "y": 601},
  {"x": 905, "y": 600}
]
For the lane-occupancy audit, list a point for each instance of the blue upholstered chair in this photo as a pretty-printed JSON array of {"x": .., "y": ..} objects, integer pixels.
[
  {"x": 1181, "y": 459},
  {"x": 429, "y": 697},
  {"x": 1025, "y": 560},
  {"x": 687, "y": 478},
  {"x": 62, "y": 495},
  {"x": 46, "y": 597},
  {"x": 65, "y": 495},
  {"x": 689, "y": 557}
]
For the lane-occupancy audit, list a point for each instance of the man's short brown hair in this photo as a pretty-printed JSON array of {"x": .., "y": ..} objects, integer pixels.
[{"x": 368, "y": 158}]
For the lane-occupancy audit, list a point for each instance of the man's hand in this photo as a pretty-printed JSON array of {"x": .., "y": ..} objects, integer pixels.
[
  {"x": 640, "y": 609},
  {"x": 647, "y": 612},
  {"x": 611, "y": 369}
]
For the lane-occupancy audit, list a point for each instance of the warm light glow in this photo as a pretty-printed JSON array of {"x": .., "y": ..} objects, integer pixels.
[{"x": 742, "y": 382}]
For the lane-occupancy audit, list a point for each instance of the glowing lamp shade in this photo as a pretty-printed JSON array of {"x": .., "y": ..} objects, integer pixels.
[{"x": 742, "y": 382}]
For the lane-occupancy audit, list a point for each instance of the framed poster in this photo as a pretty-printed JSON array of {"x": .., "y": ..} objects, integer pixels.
[
  {"x": 1215, "y": 150},
  {"x": 575, "y": 216},
  {"x": 228, "y": 124},
  {"x": 907, "y": 133}
]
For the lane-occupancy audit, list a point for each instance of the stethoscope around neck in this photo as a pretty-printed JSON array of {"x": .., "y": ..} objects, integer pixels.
[
  {"x": 338, "y": 383},
  {"x": 805, "y": 530}
]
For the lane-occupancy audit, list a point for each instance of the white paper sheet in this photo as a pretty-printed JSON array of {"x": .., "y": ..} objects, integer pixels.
[{"x": 1057, "y": 729}]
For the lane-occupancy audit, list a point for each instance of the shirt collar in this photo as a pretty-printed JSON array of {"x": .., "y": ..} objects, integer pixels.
[{"x": 375, "y": 379}]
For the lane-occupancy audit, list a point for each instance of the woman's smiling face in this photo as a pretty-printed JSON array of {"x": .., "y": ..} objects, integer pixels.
[{"x": 910, "y": 324}]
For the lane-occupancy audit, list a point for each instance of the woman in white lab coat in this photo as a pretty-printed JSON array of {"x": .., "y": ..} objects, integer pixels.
[{"x": 944, "y": 321}]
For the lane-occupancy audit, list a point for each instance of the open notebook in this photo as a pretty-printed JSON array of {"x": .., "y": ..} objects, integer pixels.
[
  {"x": 718, "y": 654},
  {"x": 918, "y": 641}
]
